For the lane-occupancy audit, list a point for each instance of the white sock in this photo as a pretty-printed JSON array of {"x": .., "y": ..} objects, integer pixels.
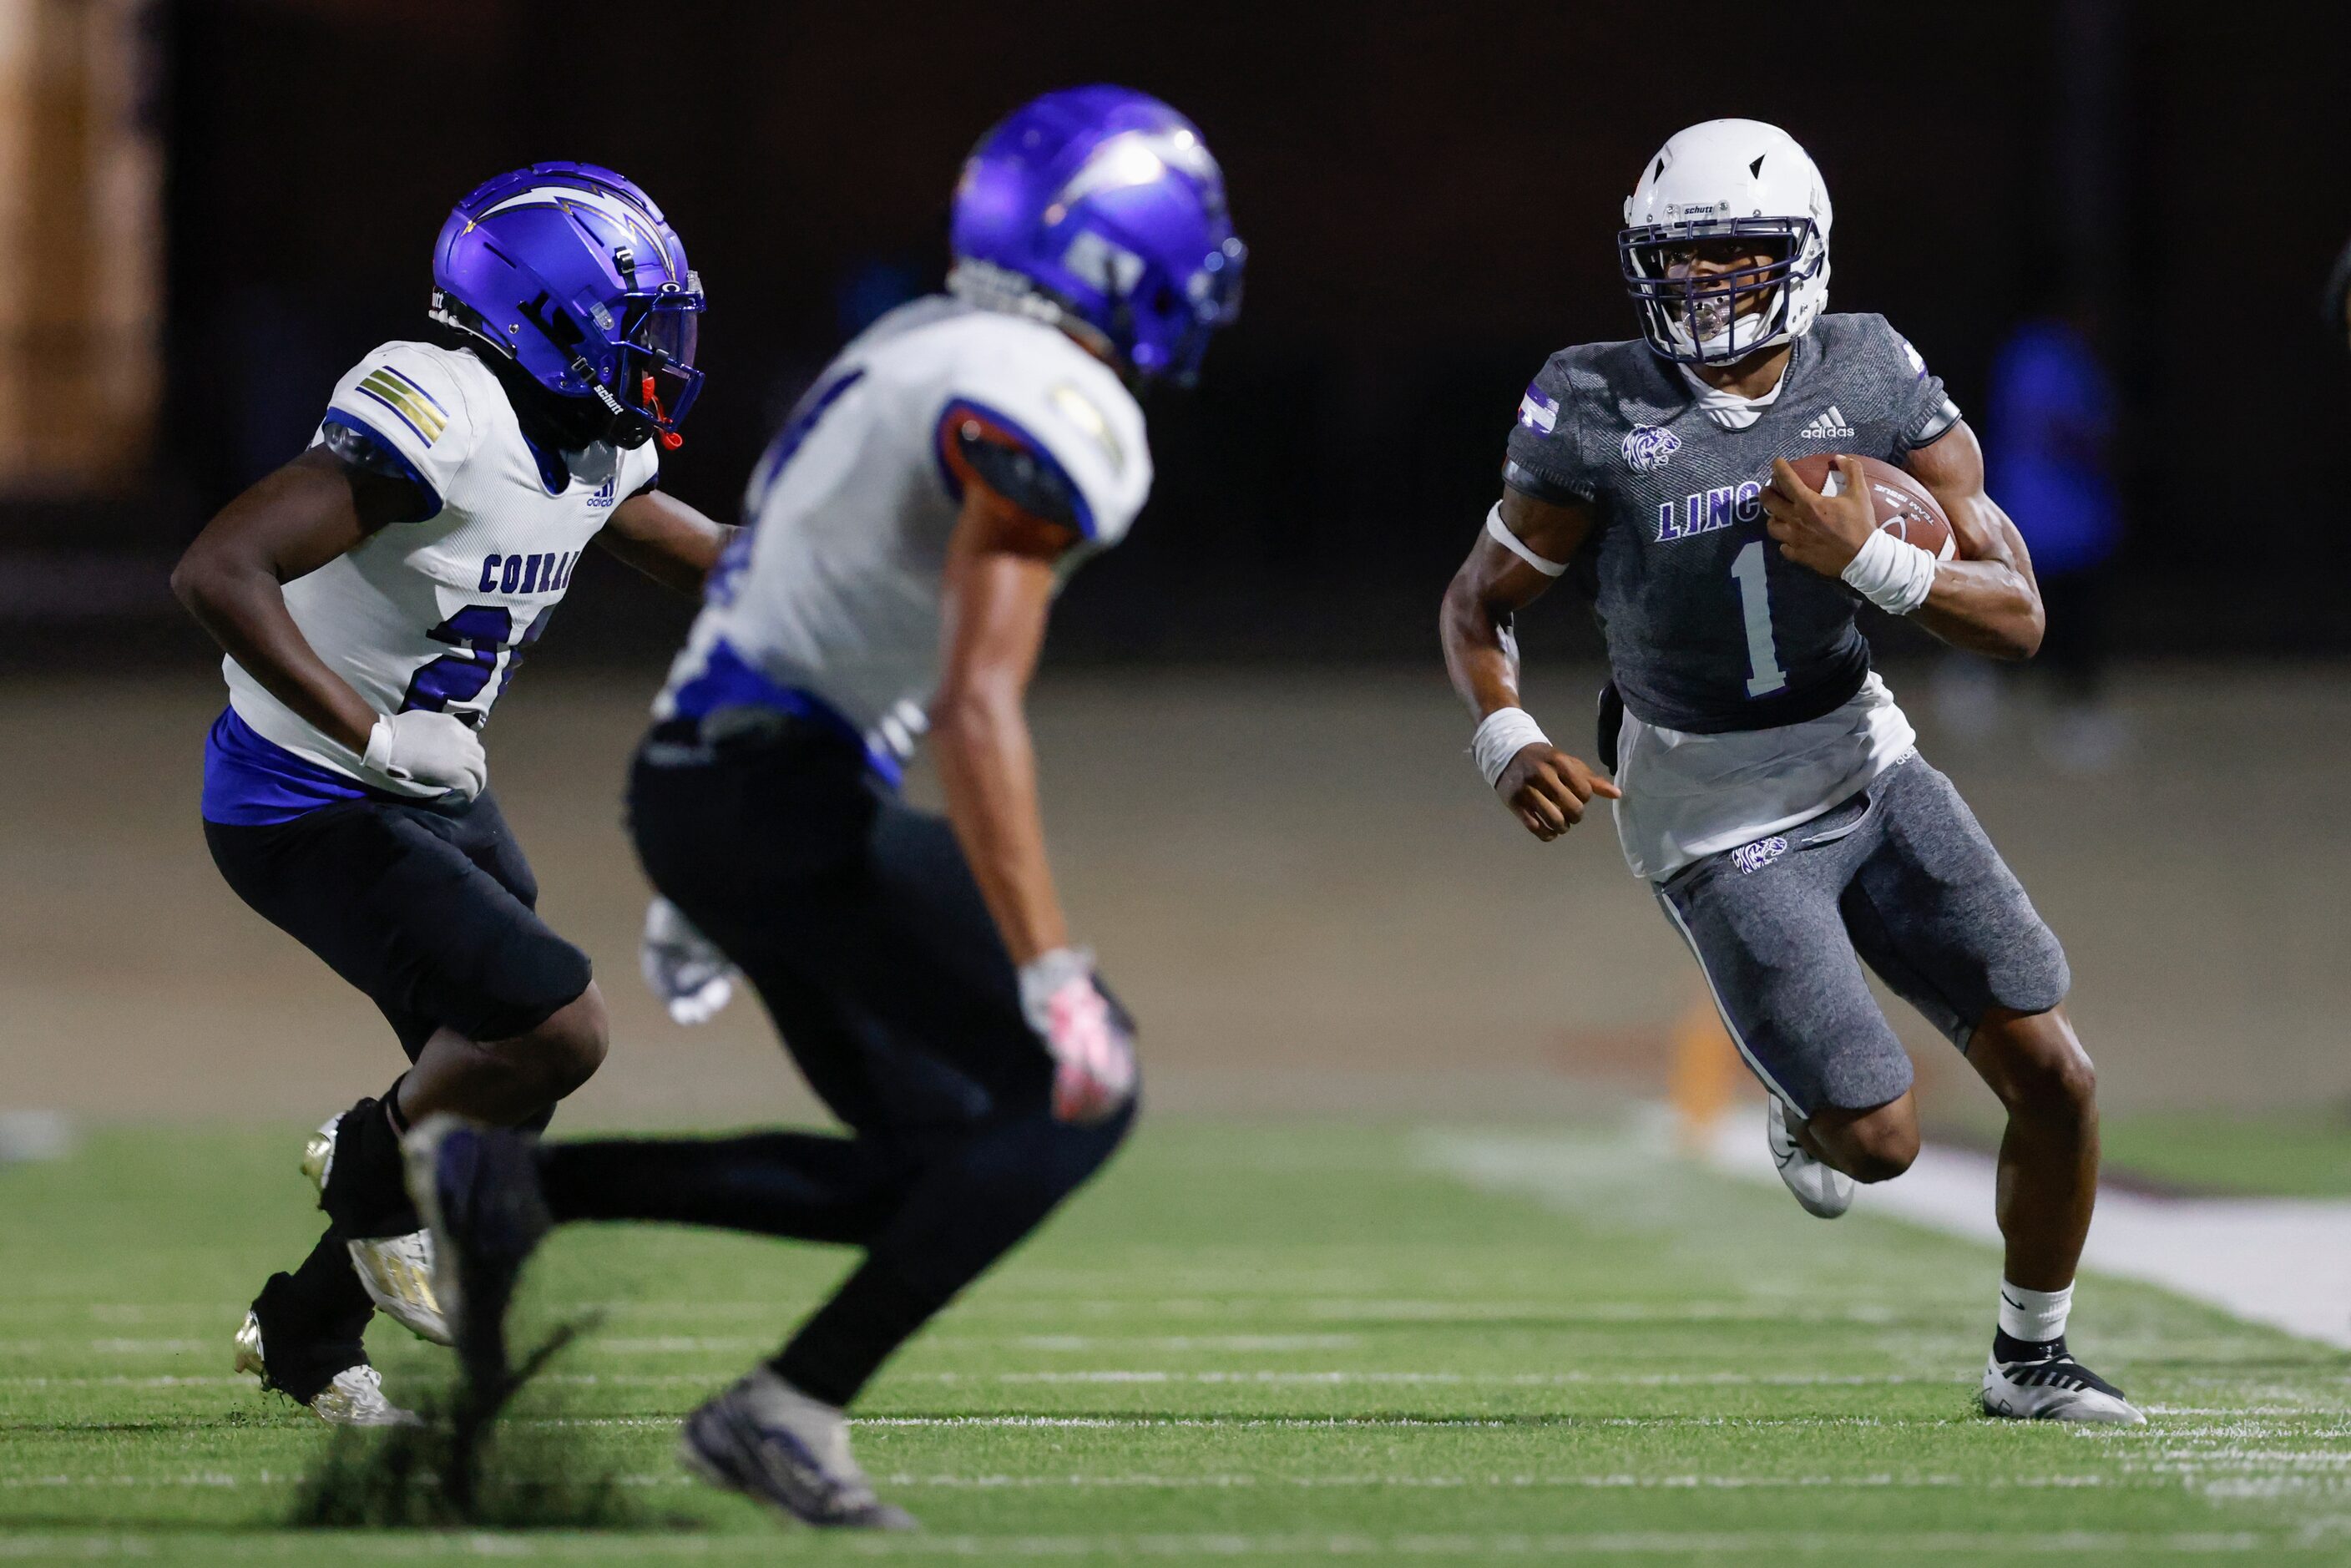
[{"x": 2033, "y": 1315}]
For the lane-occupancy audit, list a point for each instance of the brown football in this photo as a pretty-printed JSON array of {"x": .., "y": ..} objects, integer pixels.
[{"x": 1904, "y": 508}]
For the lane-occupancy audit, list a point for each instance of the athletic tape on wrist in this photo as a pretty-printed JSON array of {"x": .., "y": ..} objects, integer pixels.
[
  {"x": 1505, "y": 733},
  {"x": 1894, "y": 576}
]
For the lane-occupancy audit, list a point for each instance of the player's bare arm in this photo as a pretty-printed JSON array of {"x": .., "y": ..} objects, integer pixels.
[
  {"x": 290, "y": 523},
  {"x": 667, "y": 539},
  {"x": 1543, "y": 787},
  {"x": 1000, "y": 582},
  {"x": 1985, "y": 601}
]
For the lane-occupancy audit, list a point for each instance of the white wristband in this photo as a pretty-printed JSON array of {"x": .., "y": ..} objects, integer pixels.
[
  {"x": 1894, "y": 575},
  {"x": 378, "y": 753},
  {"x": 1505, "y": 733}
]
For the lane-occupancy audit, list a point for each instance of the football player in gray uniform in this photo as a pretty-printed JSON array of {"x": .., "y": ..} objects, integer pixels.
[{"x": 1766, "y": 784}]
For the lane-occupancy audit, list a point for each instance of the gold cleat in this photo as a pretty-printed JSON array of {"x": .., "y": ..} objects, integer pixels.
[
  {"x": 354, "y": 1398},
  {"x": 396, "y": 1270}
]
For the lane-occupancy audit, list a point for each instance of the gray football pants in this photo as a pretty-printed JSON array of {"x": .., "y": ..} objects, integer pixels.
[{"x": 1899, "y": 877}]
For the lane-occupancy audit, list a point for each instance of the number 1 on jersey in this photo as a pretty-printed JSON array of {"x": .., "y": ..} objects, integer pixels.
[{"x": 1764, "y": 675}]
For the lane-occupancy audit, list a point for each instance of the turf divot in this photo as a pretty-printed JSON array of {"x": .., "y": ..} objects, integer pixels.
[{"x": 461, "y": 1466}]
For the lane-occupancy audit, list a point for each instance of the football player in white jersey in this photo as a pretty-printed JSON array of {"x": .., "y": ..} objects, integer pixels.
[
  {"x": 374, "y": 597},
  {"x": 908, "y": 528}
]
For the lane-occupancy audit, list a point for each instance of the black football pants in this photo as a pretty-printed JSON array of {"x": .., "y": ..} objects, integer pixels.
[{"x": 859, "y": 923}]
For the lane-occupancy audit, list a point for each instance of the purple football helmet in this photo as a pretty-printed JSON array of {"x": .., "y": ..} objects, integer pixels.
[
  {"x": 572, "y": 272},
  {"x": 1101, "y": 206}
]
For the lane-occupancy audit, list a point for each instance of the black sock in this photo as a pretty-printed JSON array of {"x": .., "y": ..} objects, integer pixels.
[
  {"x": 839, "y": 1350},
  {"x": 312, "y": 1319},
  {"x": 806, "y": 1185},
  {"x": 392, "y": 1111},
  {"x": 2007, "y": 1349},
  {"x": 323, "y": 1297},
  {"x": 366, "y": 1192}
]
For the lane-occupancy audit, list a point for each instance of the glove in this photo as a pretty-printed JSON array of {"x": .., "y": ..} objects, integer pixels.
[
  {"x": 433, "y": 749},
  {"x": 682, "y": 967},
  {"x": 1090, "y": 1037}
]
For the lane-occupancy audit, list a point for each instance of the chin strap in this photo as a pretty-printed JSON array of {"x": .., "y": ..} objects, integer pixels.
[{"x": 670, "y": 439}]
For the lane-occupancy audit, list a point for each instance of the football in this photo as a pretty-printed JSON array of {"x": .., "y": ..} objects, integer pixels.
[{"x": 1904, "y": 507}]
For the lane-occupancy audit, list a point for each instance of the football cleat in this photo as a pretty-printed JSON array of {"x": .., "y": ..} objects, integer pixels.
[
  {"x": 477, "y": 1189},
  {"x": 2049, "y": 1384},
  {"x": 768, "y": 1441},
  {"x": 1823, "y": 1190},
  {"x": 396, "y": 1270},
  {"x": 353, "y": 1397}
]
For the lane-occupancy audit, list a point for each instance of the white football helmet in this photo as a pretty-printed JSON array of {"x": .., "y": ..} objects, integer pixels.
[{"x": 1727, "y": 178}]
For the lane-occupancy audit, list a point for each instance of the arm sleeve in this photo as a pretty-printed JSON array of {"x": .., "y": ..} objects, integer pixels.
[
  {"x": 362, "y": 451},
  {"x": 1068, "y": 448},
  {"x": 1544, "y": 457},
  {"x": 1924, "y": 411},
  {"x": 1030, "y": 480},
  {"x": 402, "y": 406}
]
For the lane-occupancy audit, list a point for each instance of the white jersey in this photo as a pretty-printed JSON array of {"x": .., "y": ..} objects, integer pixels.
[
  {"x": 833, "y": 593},
  {"x": 434, "y": 614}
]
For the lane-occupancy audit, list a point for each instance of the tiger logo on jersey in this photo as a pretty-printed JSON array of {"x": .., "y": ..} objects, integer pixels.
[{"x": 1647, "y": 447}]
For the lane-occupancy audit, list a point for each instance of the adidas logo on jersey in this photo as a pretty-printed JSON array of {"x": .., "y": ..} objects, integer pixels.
[
  {"x": 603, "y": 496},
  {"x": 1829, "y": 426}
]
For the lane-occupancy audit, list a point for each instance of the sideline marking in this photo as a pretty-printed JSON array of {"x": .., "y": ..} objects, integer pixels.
[{"x": 2281, "y": 1261}]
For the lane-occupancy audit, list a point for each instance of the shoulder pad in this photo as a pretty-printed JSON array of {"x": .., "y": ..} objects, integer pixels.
[{"x": 410, "y": 400}]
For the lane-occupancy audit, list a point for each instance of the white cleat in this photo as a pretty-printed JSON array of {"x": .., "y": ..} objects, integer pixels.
[
  {"x": 2055, "y": 1388},
  {"x": 354, "y": 1398},
  {"x": 1822, "y": 1191},
  {"x": 398, "y": 1273},
  {"x": 396, "y": 1270},
  {"x": 774, "y": 1444}
]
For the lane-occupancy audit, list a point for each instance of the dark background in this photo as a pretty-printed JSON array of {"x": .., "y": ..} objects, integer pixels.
[{"x": 1430, "y": 196}]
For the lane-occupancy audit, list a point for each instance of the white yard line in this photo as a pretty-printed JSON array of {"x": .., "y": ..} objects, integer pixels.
[
  {"x": 1603, "y": 1482},
  {"x": 2284, "y": 1262},
  {"x": 1305, "y": 1423},
  {"x": 1745, "y": 1545},
  {"x": 1155, "y": 1374},
  {"x": 1488, "y": 1379}
]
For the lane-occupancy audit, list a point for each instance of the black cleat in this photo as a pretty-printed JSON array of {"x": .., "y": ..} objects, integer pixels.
[
  {"x": 774, "y": 1444},
  {"x": 477, "y": 1189}
]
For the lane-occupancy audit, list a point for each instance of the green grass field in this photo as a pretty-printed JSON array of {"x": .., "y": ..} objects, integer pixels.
[
  {"x": 2264, "y": 1157},
  {"x": 1263, "y": 1343}
]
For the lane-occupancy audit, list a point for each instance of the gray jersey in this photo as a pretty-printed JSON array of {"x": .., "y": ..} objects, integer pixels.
[{"x": 1709, "y": 628}]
